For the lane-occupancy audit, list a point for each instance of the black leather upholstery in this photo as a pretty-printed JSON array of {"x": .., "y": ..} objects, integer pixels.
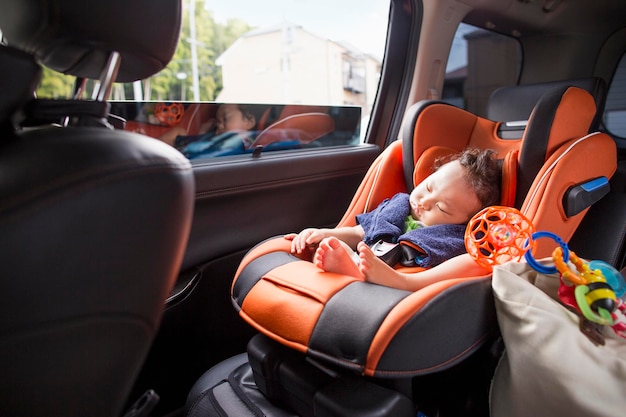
[
  {"x": 75, "y": 36},
  {"x": 93, "y": 225},
  {"x": 19, "y": 75},
  {"x": 94, "y": 221}
]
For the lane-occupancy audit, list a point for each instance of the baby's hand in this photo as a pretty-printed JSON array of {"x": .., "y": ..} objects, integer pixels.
[
  {"x": 169, "y": 137},
  {"x": 306, "y": 239},
  {"x": 178, "y": 131}
]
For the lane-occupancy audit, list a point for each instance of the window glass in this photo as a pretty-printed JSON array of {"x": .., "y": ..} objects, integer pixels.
[
  {"x": 203, "y": 130},
  {"x": 615, "y": 108},
  {"x": 480, "y": 61},
  {"x": 277, "y": 59}
]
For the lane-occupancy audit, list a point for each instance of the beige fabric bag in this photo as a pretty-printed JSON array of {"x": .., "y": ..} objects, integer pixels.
[{"x": 550, "y": 368}]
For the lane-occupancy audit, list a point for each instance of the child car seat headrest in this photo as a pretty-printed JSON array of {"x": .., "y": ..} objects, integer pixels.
[
  {"x": 562, "y": 114},
  {"x": 76, "y": 37}
]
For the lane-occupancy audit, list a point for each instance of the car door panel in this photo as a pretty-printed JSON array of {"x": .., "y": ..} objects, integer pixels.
[{"x": 242, "y": 201}]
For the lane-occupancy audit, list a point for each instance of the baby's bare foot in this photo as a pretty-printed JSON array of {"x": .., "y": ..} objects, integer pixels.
[
  {"x": 375, "y": 270},
  {"x": 332, "y": 256}
]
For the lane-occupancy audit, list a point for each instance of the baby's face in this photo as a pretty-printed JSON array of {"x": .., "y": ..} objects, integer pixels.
[
  {"x": 444, "y": 197},
  {"x": 230, "y": 119}
]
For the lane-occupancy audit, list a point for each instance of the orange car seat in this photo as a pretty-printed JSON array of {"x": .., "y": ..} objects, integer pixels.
[
  {"x": 276, "y": 113},
  {"x": 295, "y": 123},
  {"x": 303, "y": 128},
  {"x": 380, "y": 332}
]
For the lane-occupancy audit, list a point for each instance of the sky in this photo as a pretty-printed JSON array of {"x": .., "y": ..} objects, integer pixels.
[{"x": 362, "y": 23}]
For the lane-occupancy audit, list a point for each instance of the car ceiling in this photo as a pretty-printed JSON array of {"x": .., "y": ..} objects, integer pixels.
[{"x": 528, "y": 17}]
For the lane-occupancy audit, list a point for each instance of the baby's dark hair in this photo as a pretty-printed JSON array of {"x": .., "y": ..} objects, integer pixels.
[
  {"x": 482, "y": 171},
  {"x": 251, "y": 111}
]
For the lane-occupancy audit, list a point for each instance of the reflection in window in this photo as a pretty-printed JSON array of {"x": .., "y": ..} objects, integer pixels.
[
  {"x": 206, "y": 130},
  {"x": 289, "y": 52}
]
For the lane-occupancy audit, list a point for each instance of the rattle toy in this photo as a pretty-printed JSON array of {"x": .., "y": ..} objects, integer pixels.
[
  {"x": 169, "y": 114},
  {"x": 595, "y": 298},
  {"x": 498, "y": 234},
  {"x": 544, "y": 268},
  {"x": 591, "y": 288},
  {"x": 612, "y": 276}
]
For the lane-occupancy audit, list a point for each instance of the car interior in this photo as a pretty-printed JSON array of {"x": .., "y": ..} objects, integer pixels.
[{"x": 140, "y": 281}]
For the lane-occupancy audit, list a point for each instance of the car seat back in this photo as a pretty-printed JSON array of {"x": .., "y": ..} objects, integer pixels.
[
  {"x": 94, "y": 221},
  {"x": 512, "y": 105}
]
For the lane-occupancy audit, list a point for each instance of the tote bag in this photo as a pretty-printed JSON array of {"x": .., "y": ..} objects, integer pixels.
[{"x": 550, "y": 368}]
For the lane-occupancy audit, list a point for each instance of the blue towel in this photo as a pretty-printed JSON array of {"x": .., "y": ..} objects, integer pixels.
[{"x": 386, "y": 222}]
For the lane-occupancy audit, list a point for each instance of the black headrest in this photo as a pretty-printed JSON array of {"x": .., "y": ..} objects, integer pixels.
[
  {"x": 19, "y": 75},
  {"x": 515, "y": 103},
  {"x": 75, "y": 37}
]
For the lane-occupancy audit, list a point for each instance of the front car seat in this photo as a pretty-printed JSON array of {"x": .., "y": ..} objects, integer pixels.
[{"x": 94, "y": 221}]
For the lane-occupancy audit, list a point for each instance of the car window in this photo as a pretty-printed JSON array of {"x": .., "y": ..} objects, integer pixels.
[
  {"x": 203, "y": 130},
  {"x": 285, "y": 58},
  {"x": 615, "y": 108},
  {"x": 480, "y": 61}
]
